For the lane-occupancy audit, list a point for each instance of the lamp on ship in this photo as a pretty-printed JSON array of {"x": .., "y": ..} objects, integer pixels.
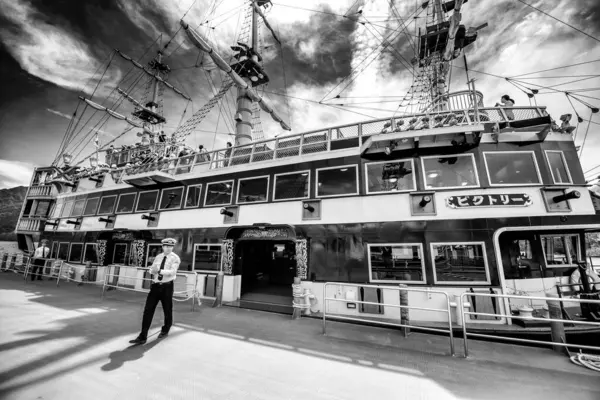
[
  {"x": 108, "y": 220},
  {"x": 148, "y": 217},
  {"x": 308, "y": 207},
  {"x": 567, "y": 196},
  {"x": 94, "y": 162},
  {"x": 388, "y": 149},
  {"x": 116, "y": 174},
  {"x": 424, "y": 201},
  {"x": 225, "y": 211},
  {"x": 67, "y": 158}
]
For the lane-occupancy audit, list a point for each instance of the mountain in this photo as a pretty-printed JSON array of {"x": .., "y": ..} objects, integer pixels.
[{"x": 11, "y": 201}]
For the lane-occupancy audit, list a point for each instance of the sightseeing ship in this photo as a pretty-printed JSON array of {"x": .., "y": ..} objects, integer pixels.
[{"x": 456, "y": 196}]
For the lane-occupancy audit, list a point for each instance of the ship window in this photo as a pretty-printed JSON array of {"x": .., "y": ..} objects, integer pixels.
[
  {"x": 147, "y": 201},
  {"x": 291, "y": 186},
  {"x": 78, "y": 208},
  {"x": 253, "y": 190},
  {"x": 126, "y": 202},
  {"x": 171, "y": 198},
  {"x": 54, "y": 252},
  {"x": 76, "y": 252},
  {"x": 396, "y": 262},
  {"x": 107, "y": 205},
  {"x": 455, "y": 171},
  {"x": 42, "y": 208},
  {"x": 512, "y": 168},
  {"x": 63, "y": 251},
  {"x": 28, "y": 206},
  {"x": 394, "y": 176},
  {"x": 66, "y": 211},
  {"x": 561, "y": 250},
  {"x": 91, "y": 206},
  {"x": 121, "y": 254},
  {"x": 460, "y": 263},
  {"x": 57, "y": 209},
  {"x": 218, "y": 193},
  {"x": 207, "y": 257},
  {"x": 192, "y": 198},
  {"x": 91, "y": 253},
  {"x": 558, "y": 167},
  {"x": 337, "y": 181},
  {"x": 153, "y": 251}
]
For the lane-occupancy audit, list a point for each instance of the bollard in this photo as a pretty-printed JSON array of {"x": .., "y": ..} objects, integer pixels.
[
  {"x": 404, "y": 317},
  {"x": 219, "y": 290},
  {"x": 557, "y": 328}
]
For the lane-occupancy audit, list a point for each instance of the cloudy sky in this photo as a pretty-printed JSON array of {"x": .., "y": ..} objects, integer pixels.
[{"x": 53, "y": 52}]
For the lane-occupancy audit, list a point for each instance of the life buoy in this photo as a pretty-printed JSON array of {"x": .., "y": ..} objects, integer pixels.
[{"x": 593, "y": 279}]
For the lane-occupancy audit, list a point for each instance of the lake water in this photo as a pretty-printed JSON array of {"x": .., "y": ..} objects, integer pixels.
[{"x": 11, "y": 247}]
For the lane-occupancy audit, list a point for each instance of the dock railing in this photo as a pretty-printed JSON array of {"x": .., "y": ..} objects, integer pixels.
[
  {"x": 467, "y": 334},
  {"x": 446, "y": 310}
]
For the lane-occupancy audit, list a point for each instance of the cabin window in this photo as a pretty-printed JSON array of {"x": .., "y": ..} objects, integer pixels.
[
  {"x": 147, "y": 201},
  {"x": 561, "y": 250},
  {"x": 218, "y": 193},
  {"x": 121, "y": 254},
  {"x": 90, "y": 253},
  {"x": 42, "y": 208},
  {"x": 460, "y": 263},
  {"x": 153, "y": 251},
  {"x": 57, "y": 209},
  {"x": 78, "y": 208},
  {"x": 63, "y": 251},
  {"x": 512, "y": 168},
  {"x": 54, "y": 252},
  {"x": 291, "y": 186},
  {"x": 207, "y": 257},
  {"x": 91, "y": 206},
  {"x": 126, "y": 202},
  {"x": 107, "y": 205},
  {"x": 337, "y": 181},
  {"x": 66, "y": 211},
  {"x": 171, "y": 198},
  {"x": 253, "y": 190},
  {"x": 28, "y": 206},
  {"x": 397, "y": 176},
  {"x": 455, "y": 171},
  {"x": 396, "y": 262},
  {"x": 558, "y": 167},
  {"x": 192, "y": 199},
  {"x": 76, "y": 252}
]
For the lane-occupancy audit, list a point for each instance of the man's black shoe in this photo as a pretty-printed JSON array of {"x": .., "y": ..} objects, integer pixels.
[
  {"x": 138, "y": 340},
  {"x": 163, "y": 334}
]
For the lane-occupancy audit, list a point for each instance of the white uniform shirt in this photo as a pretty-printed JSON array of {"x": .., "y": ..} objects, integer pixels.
[
  {"x": 41, "y": 252},
  {"x": 169, "y": 271}
]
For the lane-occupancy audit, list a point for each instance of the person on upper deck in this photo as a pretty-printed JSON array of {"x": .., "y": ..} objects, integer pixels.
[
  {"x": 203, "y": 154},
  {"x": 507, "y": 103},
  {"x": 228, "y": 153}
]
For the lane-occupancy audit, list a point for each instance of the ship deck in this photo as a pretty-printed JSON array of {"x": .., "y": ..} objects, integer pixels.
[{"x": 64, "y": 342}]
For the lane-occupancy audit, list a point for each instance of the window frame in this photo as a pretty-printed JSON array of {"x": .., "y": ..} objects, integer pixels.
[
  {"x": 86, "y": 203},
  {"x": 183, "y": 191},
  {"x": 62, "y": 211},
  {"x": 291, "y": 173},
  {"x": 207, "y": 271},
  {"x": 566, "y": 165},
  {"x": 222, "y": 204},
  {"x": 471, "y": 155},
  {"x": 414, "y": 176},
  {"x": 564, "y": 236},
  {"x": 126, "y": 253},
  {"x": 421, "y": 249},
  {"x": 71, "y": 250},
  {"x": 537, "y": 168},
  {"x": 85, "y": 247},
  {"x": 488, "y": 280},
  {"x": 237, "y": 194},
  {"x": 148, "y": 252},
  {"x": 68, "y": 251},
  {"x": 82, "y": 209},
  {"x": 356, "y": 172},
  {"x": 187, "y": 191},
  {"x": 114, "y": 207},
  {"x": 53, "y": 254},
  {"x": 137, "y": 203}
]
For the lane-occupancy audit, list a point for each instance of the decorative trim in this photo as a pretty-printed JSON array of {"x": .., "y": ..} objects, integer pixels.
[
  {"x": 227, "y": 256},
  {"x": 138, "y": 249},
  {"x": 301, "y": 258},
  {"x": 264, "y": 233},
  {"x": 101, "y": 251},
  {"x": 489, "y": 200}
]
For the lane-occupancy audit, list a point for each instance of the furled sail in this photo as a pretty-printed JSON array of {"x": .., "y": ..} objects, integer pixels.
[{"x": 110, "y": 112}]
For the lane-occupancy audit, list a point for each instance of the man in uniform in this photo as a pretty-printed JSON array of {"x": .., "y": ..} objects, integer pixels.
[
  {"x": 163, "y": 270},
  {"x": 39, "y": 258}
]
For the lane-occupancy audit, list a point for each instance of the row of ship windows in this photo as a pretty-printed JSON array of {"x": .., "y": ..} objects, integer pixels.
[{"x": 456, "y": 171}]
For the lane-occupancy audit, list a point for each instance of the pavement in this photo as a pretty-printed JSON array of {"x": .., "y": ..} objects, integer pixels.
[{"x": 67, "y": 343}]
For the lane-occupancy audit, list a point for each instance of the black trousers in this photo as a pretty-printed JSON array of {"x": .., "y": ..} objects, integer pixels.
[
  {"x": 164, "y": 294},
  {"x": 37, "y": 269}
]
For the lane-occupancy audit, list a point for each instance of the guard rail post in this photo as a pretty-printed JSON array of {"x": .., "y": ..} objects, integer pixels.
[{"x": 219, "y": 290}]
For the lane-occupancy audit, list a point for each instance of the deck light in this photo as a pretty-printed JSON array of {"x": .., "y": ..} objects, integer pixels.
[
  {"x": 93, "y": 161},
  {"x": 67, "y": 158},
  {"x": 148, "y": 217},
  {"x": 225, "y": 211},
  {"x": 308, "y": 207},
  {"x": 567, "y": 196},
  {"x": 424, "y": 201}
]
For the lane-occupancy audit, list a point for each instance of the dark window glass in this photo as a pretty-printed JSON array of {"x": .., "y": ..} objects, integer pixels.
[
  {"x": 54, "y": 253},
  {"x": 511, "y": 168},
  {"x": 147, "y": 201},
  {"x": 398, "y": 262},
  {"x": 450, "y": 171},
  {"x": 28, "y": 206},
  {"x": 218, "y": 193},
  {"x": 91, "y": 206},
  {"x": 390, "y": 177},
  {"x": 193, "y": 196},
  {"x": 459, "y": 263},
  {"x": 207, "y": 257},
  {"x": 91, "y": 253},
  {"x": 253, "y": 190},
  {"x": 63, "y": 251},
  {"x": 42, "y": 208},
  {"x": 126, "y": 202},
  {"x": 107, "y": 205},
  {"x": 76, "y": 253},
  {"x": 171, "y": 198},
  {"x": 291, "y": 186},
  {"x": 558, "y": 167},
  {"x": 78, "y": 208},
  {"x": 337, "y": 181},
  {"x": 121, "y": 254}
]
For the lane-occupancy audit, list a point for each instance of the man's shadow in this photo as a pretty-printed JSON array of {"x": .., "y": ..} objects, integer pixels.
[{"x": 131, "y": 353}]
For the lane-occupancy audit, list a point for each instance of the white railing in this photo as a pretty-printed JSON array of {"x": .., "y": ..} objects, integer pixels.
[
  {"x": 30, "y": 224},
  {"x": 40, "y": 191}
]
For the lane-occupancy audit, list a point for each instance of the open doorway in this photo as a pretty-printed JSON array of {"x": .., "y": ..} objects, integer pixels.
[{"x": 268, "y": 268}]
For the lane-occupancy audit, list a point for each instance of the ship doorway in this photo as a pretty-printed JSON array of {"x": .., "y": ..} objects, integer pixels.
[{"x": 268, "y": 269}]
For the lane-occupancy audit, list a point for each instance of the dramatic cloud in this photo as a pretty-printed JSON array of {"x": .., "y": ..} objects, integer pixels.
[
  {"x": 66, "y": 116},
  {"x": 46, "y": 50},
  {"x": 15, "y": 173}
]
